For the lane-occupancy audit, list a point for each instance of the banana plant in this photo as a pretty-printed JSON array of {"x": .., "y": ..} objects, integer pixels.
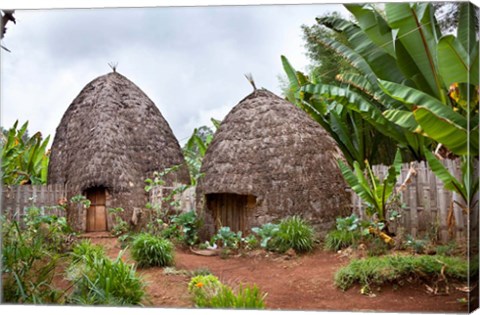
[
  {"x": 196, "y": 147},
  {"x": 375, "y": 193},
  {"x": 24, "y": 161},
  {"x": 342, "y": 117},
  {"x": 467, "y": 186}
]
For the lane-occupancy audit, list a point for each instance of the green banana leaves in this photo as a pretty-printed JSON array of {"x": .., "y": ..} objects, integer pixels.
[
  {"x": 375, "y": 194},
  {"x": 24, "y": 162}
]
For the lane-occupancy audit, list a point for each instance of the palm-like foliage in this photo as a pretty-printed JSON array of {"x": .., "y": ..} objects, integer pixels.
[
  {"x": 23, "y": 161},
  {"x": 410, "y": 84}
]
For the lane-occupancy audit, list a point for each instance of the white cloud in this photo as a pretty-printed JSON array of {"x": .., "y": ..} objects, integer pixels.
[{"x": 190, "y": 61}]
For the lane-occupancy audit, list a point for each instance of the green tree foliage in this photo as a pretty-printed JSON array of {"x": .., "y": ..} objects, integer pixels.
[
  {"x": 413, "y": 85},
  {"x": 24, "y": 161},
  {"x": 196, "y": 147}
]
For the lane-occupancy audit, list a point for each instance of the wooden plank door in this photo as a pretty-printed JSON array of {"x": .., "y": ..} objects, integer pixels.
[
  {"x": 97, "y": 212},
  {"x": 229, "y": 210}
]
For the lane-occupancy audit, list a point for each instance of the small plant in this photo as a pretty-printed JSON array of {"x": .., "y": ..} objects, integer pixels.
[
  {"x": 227, "y": 238},
  {"x": 209, "y": 292},
  {"x": 121, "y": 226},
  {"x": 266, "y": 232},
  {"x": 336, "y": 240},
  {"x": 187, "y": 225},
  {"x": 417, "y": 246},
  {"x": 99, "y": 280},
  {"x": 148, "y": 250},
  {"x": 295, "y": 233},
  {"x": 85, "y": 248}
]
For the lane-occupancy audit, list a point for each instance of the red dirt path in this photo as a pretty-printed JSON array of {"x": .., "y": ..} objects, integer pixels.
[{"x": 292, "y": 283}]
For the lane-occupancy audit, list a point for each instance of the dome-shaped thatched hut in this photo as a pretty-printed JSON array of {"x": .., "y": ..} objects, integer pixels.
[
  {"x": 111, "y": 138},
  {"x": 269, "y": 160}
]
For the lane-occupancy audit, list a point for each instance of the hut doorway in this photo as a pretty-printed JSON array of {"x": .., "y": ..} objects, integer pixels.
[
  {"x": 231, "y": 210},
  {"x": 97, "y": 212}
]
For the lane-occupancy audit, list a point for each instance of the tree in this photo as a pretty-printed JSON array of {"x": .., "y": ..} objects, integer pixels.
[{"x": 195, "y": 148}]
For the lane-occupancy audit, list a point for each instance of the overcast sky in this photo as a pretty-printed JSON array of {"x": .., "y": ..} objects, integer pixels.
[{"x": 190, "y": 61}]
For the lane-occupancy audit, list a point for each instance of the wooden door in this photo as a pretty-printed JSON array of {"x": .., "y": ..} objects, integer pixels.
[
  {"x": 97, "y": 212},
  {"x": 231, "y": 210}
]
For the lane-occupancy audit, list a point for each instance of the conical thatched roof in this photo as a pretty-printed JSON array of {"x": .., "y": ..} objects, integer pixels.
[
  {"x": 269, "y": 148},
  {"x": 112, "y": 136}
]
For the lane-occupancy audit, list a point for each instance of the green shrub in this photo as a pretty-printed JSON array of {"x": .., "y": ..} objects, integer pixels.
[
  {"x": 148, "y": 250},
  {"x": 296, "y": 233},
  {"x": 85, "y": 248},
  {"x": 379, "y": 270},
  {"x": 29, "y": 260},
  {"x": 99, "y": 280},
  {"x": 336, "y": 240},
  {"x": 187, "y": 225},
  {"x": 209, "y": 292}
]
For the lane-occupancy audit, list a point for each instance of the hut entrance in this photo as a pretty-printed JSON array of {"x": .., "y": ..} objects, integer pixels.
[
  {"x": 231, "y": 210},
  {"x": 97, "y": 212}
]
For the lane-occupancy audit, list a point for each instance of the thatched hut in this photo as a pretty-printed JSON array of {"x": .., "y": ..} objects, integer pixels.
[
  {"x": 111, "y": 138},
  {"x": 269, "y": 160}
]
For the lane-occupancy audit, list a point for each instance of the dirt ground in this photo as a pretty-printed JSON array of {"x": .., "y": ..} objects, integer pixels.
[{"x": 292, "y": 283}]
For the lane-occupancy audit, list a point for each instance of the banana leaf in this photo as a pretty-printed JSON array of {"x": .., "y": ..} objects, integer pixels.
[
  {"x": 438, "y": 121},
  {"x": 374, "y": 25},
  {"x": 453, "y": 61},
  {"x": 382, "y": 64},
  {"x": 450, "y": 182},
  {"x": 354, "y": 59},
  {"x": 415, "y": 27},
  {"x": 466, "y": 26}
]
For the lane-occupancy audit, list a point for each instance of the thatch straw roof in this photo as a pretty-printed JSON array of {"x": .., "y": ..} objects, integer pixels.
[
  {"x": 112, "y": 136},
  {"x": 269, "y": 148}
]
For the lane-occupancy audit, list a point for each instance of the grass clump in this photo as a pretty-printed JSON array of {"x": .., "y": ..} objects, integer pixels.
[
  {"x": 295, "y": 233},
  {"x": 99, "y": 280},
  {"x": 209, "y": 292},
  {"x": 148, "y": 250},
  {"x": 379, "y": 270},
  {"x": 336, "y": 240}
]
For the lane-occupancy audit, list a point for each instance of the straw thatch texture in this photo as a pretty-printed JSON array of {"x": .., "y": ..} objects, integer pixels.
[
  {"x": 268, "y": 148},
  {"x": 113, "y": 136}
]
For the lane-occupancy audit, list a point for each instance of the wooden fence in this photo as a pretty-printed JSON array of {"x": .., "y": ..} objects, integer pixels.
[
  {"x": 427, "y": 207},
  {"x": 17, "y": 199}
]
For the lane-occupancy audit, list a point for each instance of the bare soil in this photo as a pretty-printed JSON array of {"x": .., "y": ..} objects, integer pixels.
[{"x": 291, "y": 282}]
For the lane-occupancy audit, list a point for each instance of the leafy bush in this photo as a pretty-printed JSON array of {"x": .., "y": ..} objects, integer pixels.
[
  {"x": 266, "y": 232},
  {"x": 27, "y": 267},
  {"x": 209, "y": 292},
  {"x": 296, "y": 233},
  {"x": 148, "y": 250},
  {"x": 30, "y": 256},
  {"x": 99, "y": 280},
  {"x": 379, "y": 270},
  {"x": 187, "y": 225}
]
